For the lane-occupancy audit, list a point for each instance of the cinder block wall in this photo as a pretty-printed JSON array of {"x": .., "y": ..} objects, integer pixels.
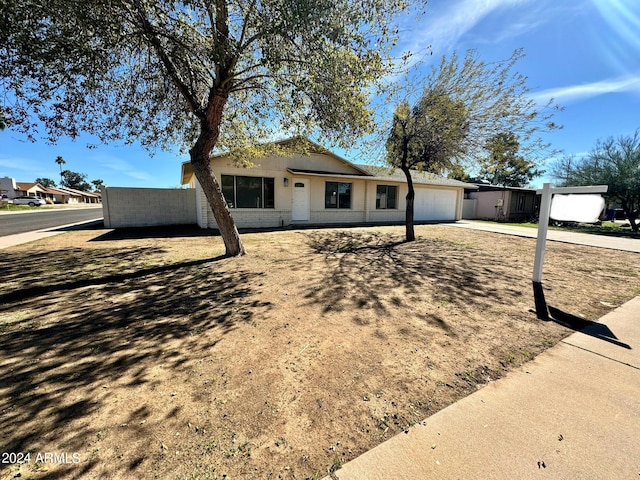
[{"x": 124, "y": 207}]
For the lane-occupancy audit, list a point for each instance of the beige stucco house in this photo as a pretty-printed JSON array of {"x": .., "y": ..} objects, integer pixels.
[{"x": 319, "y": 187}]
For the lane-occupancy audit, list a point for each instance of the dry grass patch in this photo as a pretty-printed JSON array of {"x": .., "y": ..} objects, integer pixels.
[{"x": 153, "y": 357}]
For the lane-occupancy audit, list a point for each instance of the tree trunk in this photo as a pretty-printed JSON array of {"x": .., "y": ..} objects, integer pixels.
[
  {"x": 630, "y": 211},
  {"x": 411, "y": 195},
  {"x": 201, "y": 162}
]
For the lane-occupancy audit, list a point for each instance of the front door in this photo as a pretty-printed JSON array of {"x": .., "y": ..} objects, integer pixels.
[{"x": 300, "y": 201}]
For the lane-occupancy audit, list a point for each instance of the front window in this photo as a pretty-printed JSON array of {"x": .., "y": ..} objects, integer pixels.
[
  {"x": 337, "y": 195},
  {"x": 386, "y": 196},
  {"x": 248, "y": 192}
]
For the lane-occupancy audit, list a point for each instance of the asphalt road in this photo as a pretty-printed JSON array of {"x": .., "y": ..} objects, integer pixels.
[{"x": 11, "y": 224}]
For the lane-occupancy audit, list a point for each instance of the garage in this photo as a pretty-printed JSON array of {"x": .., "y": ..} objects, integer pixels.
[{"x": 435, "y": 204}]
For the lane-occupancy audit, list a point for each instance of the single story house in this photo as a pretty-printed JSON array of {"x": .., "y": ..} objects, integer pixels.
[
  {"x": 12, "y": 189},
  {"x": 57, "y": 195},
  {"x": 496, "y": 202},
  {"x": 319, "y": 187},
  {"x": 80, "y": 196}
]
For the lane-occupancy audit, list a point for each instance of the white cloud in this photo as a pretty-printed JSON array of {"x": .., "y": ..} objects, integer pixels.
[
  {"x": 444, "y": 25},
  {"x": 21, "y": 164},
  {"x": 575, "y": 93},
  {"x": 121, "y": 166}
]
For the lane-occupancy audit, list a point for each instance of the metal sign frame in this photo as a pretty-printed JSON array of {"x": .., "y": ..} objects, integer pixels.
[{"x": 543, "y": 226}]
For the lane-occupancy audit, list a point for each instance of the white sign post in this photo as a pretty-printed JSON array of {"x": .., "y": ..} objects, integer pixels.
[{"x": 543, "y": 224}]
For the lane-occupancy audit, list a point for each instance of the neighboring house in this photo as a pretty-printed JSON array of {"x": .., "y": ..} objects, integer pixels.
[
  {"x": 29, "y": 189},
  {"x": 58, "y": 195},
  {"x": 320, "y": 187},
  {"x": 8, "y": 187},
  {"x": 79, "y": 196},
  {"x": 11, "y": 188},
  {"x": 495, "y": 202}
]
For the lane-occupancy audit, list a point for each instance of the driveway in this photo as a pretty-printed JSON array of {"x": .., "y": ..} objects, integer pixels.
[{"x": 600, "y": 241}]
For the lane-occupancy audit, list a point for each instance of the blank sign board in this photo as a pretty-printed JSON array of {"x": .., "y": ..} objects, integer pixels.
[{"x": 576, "y": 208}]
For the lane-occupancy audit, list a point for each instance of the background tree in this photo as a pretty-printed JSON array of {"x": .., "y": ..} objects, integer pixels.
[
  {"x": 97, "y": 184},
  {"x": 75, "y": 180},
  {"x": 464, "y": 104},
  {"x": 458, "y": 172},
  {"x": 60, "y": 161},
  {"x": 504, "y": 166},
  {"x": 213, "y": 74},
  {"x": 424, "y": 138},
  {"x": 45, "y": 182},
  {"x": 614, "y": 162}
]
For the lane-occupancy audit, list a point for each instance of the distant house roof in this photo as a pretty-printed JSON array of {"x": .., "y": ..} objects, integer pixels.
[
  {"x": 57, "y": 191},
  {"x": 80, "y": 192},
  {"x": 482, "y": 187},
  {"x": 26, "y": 186}
]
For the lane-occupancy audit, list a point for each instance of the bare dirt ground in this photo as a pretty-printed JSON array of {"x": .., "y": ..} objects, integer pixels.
[{"x": 148, "y": 356}]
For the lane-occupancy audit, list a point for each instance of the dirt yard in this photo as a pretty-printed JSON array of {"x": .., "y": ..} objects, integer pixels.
[{"x": 146, "y": 355}]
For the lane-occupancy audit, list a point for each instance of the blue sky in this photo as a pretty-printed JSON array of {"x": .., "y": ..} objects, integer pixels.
[{"x": 583, "y": 53}]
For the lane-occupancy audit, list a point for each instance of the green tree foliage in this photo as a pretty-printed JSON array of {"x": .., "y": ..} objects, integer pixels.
[
  {"x": 458, "y": 172},
  {"x": 213, "y": 74},
  {"x": 60, "y": 161},
  {"x": 463, "y": 106},
  {"x": 45, "y": 182},
  {"x": 97, "y": 184},
  {"x": 614, "y": 162},
  {"x": 504, "y": 166},
  {"x": 75, "y": 180},
  {"x": 424, "y": 138}
]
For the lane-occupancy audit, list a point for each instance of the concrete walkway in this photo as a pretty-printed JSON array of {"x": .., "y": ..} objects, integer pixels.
[
  {"x": 600, "y": 241},
  {"x": 572, "y": 413}
]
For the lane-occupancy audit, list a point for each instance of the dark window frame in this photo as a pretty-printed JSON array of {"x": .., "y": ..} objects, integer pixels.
[
  {"x": 394, "y": 199},
  {"x": 265, "y": 200},
  {"x": 342, "y": 191}
]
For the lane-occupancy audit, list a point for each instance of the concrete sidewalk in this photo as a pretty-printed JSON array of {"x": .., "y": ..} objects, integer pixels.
[
  {"x": 572, "y": 413},
  {"x": 600, "y": 241}
]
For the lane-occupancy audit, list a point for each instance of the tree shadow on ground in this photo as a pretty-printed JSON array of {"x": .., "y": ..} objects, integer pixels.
[
  {"x": 74, "y": 320},
  {"x": 363, "y": 269},
  {"x": 173, "y": 231}
]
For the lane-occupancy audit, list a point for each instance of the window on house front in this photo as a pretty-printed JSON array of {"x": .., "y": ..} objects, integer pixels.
[
  {"x": 521, "y": 200},
  {"x": 248, "y": 192},
  {"x": 337, "y": 195},
  {"x": 386, "y": 196}
]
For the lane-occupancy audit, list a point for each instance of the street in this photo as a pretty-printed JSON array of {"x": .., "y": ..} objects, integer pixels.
[{"x": 13, "y": 223}]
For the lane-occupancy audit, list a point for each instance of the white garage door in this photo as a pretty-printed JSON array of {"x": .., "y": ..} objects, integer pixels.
[{"x": 435, "y": 204}]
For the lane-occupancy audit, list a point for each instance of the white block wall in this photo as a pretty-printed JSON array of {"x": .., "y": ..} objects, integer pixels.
[{"x": 147, "y": 207}]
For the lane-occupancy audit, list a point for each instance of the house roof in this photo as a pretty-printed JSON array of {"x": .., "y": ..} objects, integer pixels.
[
  {"x": 57, "y": 191},
  {"x": 420, "y": 178},
  {"x": 322, "y": 173},
  {"x": 26, "y": 186},
  {"x": 187, "y": 169},
  {"x": 500, "y": 188},
  {"x": 371, "y": 172},
  {"x": 80, "y": 192}
]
